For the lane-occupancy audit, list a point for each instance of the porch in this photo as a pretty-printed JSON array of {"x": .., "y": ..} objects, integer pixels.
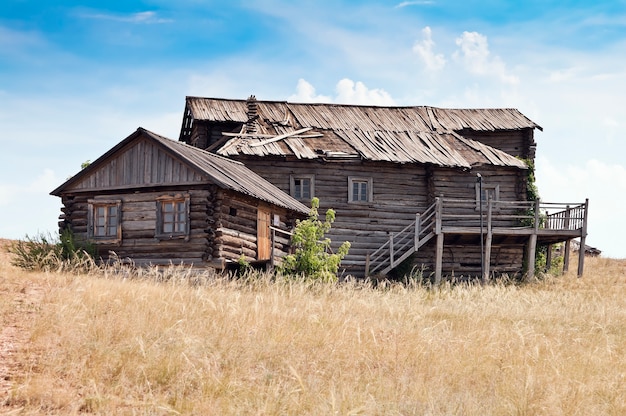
[{"x": 468, "y": 222}]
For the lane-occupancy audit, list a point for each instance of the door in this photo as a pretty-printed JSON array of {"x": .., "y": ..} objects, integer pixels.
[{"x": 264, "y": 240}]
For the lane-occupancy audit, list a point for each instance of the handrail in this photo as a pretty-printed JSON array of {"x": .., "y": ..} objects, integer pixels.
[{"x": 465, "y": 212}]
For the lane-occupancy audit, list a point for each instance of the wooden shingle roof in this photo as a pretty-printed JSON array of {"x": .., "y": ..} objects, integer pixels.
[
  {"x": 396, "y": 134},
  {"x": 223, "y": 172}
]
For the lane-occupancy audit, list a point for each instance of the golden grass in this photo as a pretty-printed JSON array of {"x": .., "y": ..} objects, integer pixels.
[{"x": 115, "y": 346}]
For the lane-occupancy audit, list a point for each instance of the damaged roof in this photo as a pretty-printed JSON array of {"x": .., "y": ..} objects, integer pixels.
[{"x": 417, "y": 134}]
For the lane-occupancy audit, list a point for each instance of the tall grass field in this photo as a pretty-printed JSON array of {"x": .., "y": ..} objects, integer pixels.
[{"x": 205, "y": 345}]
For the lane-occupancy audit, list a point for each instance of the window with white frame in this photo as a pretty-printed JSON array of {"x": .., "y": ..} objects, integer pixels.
[
  {"x": 105, "y": 220},
  {"x": 302, "y": 187},
  {"x": 172, "y": 216},
  {"x": 360, "y": 189},
  {"x": 490, "y": 191}
]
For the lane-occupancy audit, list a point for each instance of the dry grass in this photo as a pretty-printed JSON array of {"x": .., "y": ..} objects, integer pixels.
[{"x": 116, "y": 346}]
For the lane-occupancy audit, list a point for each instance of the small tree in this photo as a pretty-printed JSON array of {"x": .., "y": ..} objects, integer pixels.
[{"x": 312, "y": 257}]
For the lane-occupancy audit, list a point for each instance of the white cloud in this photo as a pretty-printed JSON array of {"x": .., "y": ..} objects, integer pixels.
[
  {"x": 305, "y": 93},
  {"x": 349, "y": 92},
  {"x": 148, "y": 17},
  {"x": 414, "y": 3},
  {"x": 475, "y": 55},
  {"x": 424, "y": 49},
  {"x": 603, "y": 183}
]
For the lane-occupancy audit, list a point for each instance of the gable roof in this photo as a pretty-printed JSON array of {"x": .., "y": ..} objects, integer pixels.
[
  {"x": 396, "y": 134},
  {"x": 205, "y": 166}
]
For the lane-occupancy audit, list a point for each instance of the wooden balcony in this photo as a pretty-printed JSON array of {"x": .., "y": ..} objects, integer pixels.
[{"x": 495, "y": 222}]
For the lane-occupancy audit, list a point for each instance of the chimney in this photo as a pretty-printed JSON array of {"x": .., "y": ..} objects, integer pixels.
[{"x": 253, "y": 115}]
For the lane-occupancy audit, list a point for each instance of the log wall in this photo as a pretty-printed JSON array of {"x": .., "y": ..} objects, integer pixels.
[
  {"x": 399, "y": 192},
  {"x": 222, "y": 226}
]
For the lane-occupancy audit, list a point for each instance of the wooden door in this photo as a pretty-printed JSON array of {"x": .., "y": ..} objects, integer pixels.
[{"x": 264, "y": 240}]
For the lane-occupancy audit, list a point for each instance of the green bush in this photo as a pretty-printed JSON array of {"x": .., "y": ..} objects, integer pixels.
[
  {"x": 46, "y": 253},
  {"x": 312, "y": 257}
]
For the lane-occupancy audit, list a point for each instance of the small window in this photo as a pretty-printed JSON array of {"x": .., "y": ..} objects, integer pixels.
[
  {"x": 302, "y": 187},
  {"x": 489, "y": 191},
  {"x": 105, "y": 220},
  {"x": 360, "y": 189},
  {"x": 173, "y": 216}
]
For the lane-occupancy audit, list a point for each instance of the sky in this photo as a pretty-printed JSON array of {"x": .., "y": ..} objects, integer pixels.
[{"x": 77, "y": 77}]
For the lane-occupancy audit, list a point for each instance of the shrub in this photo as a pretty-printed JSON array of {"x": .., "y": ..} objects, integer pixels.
[
  {"x": 46, "y": 253},
  {"x": 312, "y": 257}
]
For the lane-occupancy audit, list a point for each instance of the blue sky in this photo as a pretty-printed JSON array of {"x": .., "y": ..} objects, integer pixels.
[{"x": 76, "y": 77}]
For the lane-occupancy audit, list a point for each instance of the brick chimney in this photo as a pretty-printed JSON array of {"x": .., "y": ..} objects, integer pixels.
[{"x": 253, "y": 115}]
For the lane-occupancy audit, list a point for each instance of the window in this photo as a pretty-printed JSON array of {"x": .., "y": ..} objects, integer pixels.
[
  {"x": 302, "y": 187},
  {"x": 489, "y": 191},
  {"x": 360, "y": 189},
  {"x": 172, "y": 216},
  {"x": 105, "y": 220}
]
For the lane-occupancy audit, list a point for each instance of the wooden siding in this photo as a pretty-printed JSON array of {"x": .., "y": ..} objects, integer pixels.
[{"x": 141, "y": 164}]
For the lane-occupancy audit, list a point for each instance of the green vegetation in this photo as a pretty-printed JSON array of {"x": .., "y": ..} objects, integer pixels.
[
  {"x": 312, "y": 257},
  {"x": 47, "y": 253}
]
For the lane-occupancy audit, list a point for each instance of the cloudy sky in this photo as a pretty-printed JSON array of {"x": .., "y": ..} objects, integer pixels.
[{"x": 76, "y": 77}]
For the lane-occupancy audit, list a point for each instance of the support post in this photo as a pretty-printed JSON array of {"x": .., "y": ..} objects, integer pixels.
[
  {"x": 418, "y": 226},
  {"x": 439, "y": 244},
  {"x": 439, "y": 258},
  {"x": 532, "y": 245},
  {"x": 487, "y": 255},
  {"x": 583, "y": 236},
  {"x": 367, "y": 264},
  {"x": 566, "y": 252},
  {"x": 548, "y": 258},
  {"x": 391, "y": 250},
  {"x": 272, "y": 250},
  {"x": 482, "y": 236}
]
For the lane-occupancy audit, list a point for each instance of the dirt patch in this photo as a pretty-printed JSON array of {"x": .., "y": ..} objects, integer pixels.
[{"x": 20, "y": 300}]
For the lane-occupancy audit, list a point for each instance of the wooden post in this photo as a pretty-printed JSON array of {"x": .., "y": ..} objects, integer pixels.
[
  {"x": 566, "y": 252},
  {"x": 391, "y": 250},
  {"x": 548, "y": 258},
  {"x": 440, "y": 236},
  {"x": 439, "y": 258},
  {"x": 272, "y": 249},
  {"x": 532, "y": 245},
  {"x": 487, "y": 255},
  {"x": 418, "y": 226},
  {"x": 583, "y": 236},
  {"x": 367, "y": 264}
]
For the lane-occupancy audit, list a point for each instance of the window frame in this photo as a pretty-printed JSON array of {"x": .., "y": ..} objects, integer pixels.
[
  {"x": 370, "y": 189},
  {"x": 292, "y": 186},
  {"x": 493, "y": 189},
  {"x": 93, "y": 205},
  {"x": 172, "y": 199}
]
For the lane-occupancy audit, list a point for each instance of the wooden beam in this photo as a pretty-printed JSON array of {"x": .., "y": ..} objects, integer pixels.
[
  {"x": 280, "y": 137},
  {"x": 548, "y": 258},
  {"x": 581, "y": 250},
  {"x": 487, "y": 254},
  {"x": 439, "y": 258},
  {"x": 566, "y": 252}
]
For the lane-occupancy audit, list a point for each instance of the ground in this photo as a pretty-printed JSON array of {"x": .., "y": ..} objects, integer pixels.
[{"x": 19, "y": 299}]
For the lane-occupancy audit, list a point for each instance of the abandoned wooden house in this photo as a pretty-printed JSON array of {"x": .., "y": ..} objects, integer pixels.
[
  {"x": 156, "y": 201},
  {"x": 446, "y": 190}
]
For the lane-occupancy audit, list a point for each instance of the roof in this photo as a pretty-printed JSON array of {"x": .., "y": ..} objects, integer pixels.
[
  {"x": 397, "y": 134},
  {"x": 225, "y": 173}
]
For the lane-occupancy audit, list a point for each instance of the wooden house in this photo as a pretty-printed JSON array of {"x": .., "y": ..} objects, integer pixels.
[
  {"x": 446, "y": 189},
  {"x": 156, "y": 200}
]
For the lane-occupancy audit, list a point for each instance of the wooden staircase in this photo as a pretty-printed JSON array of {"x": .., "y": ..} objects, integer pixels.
[{"x": 404, "y": 243}]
